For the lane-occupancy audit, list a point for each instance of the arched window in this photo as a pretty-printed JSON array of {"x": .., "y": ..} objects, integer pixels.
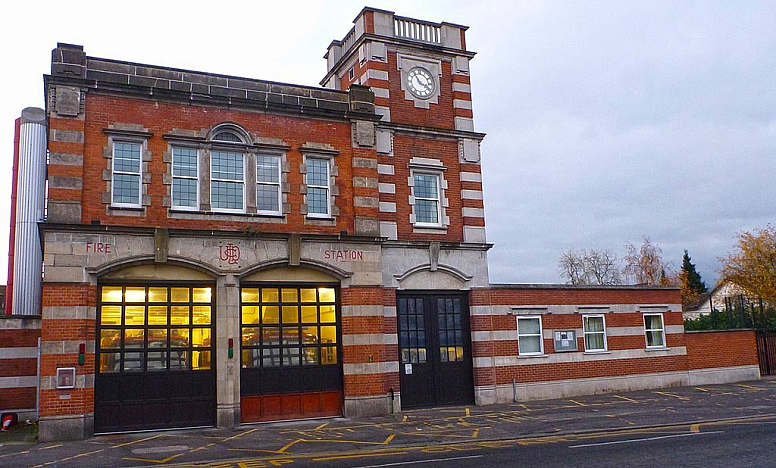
[{"x": 227, "y": 170}]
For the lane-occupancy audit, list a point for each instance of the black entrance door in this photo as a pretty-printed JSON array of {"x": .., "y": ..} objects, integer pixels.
[{"x": 435, "y": 350}]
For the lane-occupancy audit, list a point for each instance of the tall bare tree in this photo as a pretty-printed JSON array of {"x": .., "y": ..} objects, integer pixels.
[
  {"x": 589, "y": 267},
  {"x": 644, "y": 264}
]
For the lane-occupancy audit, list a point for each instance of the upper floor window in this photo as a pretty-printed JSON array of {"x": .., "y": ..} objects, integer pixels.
[
  {"x": 227, "y": 136},
  {"x": 654, "y": 330},
  {"x": 127, "y": 177},
  {"x": 268, "y": 193},
  {"x": 529, "y": 336},
  {"x": 185, "y": 178},
  {"x": 318, "y": 189},
  {"x": 427, "y": 194},
  {"x": 227, "y": 181},
  {"x": 594, "y": 327}
]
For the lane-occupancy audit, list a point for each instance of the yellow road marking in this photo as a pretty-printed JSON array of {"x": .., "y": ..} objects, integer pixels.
[
  {"x": 577, "y": 402},
  {"x": 240, "y": 435},
  {"x": 289, "y": 445},
  {"x": 467, "y": 412},
  {"x": 404, "y": 419},
  {"x": 674, "y": 396},
  {"x": 51, "y": 446},
  {"x": 631, "y": 400},
  {"x": 136, "y": 441},
  {"x": 148, "y": 460},
  {"x": 750, "y": 386},
  {"x": 476, "y": 433},
  {"x": 701, "y": 389},
  {"x": 15, "y": 454},
  {"x": 357, "y": 455},
  {"x": 695, "y": 428},
  {"x": 321, "y": 426}
]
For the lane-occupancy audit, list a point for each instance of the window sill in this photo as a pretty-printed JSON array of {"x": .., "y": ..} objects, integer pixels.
[
  {"x": 657, "y": 348},
  {"x": 126, "y": 208},
  {"x": 603, "y": 351},
  {"x": 532, "y": 356}
]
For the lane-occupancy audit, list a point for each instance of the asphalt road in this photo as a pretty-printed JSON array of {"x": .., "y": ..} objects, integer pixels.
[
  {"x": 729, "y": 444},
  {"x": 729, "y": 425}
]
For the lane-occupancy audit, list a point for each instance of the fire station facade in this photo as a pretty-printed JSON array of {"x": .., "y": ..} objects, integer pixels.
[{"x": 222, "y": 250}]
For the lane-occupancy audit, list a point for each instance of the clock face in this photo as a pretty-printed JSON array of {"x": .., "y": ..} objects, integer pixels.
[{"x": 420, "y": 82}]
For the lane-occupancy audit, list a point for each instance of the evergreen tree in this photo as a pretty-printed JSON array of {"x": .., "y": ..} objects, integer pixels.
[{"x": 693, "y": 287}]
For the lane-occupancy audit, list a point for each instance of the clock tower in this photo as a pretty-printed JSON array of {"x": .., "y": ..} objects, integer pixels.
[
  {"x": 427, "y": 188},
  {"x": 419, "y": 74}
]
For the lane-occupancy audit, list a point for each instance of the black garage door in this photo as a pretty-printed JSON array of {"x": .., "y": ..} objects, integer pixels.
[{"x": 155, "y": 358}]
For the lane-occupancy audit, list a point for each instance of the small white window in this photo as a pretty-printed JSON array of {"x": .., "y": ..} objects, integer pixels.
[
  {"x": 351, "y": 73},
  {"x": 127, "y": 183},
  {"x": 227, "y": 181},
  {"x": 529, "y": 336},
  {"x": 654, "y": 330},
  {"x": 268, "y": 193},
  {"x": 427, "y": 194},
  {"x": 594, "y": 327},
  {"x": 318, "y": 190},
  {"x": 185, "y": 179}
]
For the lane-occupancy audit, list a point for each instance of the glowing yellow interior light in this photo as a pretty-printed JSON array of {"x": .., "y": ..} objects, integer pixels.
[
  {"x": 111, "y": 294},
  {"x": 135, "y": 295}
]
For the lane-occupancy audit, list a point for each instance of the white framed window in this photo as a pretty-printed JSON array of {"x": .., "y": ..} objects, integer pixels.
[
  {"x": 318, "y": 182},
  {"x": 127, "y": 178},
  {"x": 185, "y": 178},
  {"x": 268, "y": 193},
  {"x": 427, "y": 195},
  {"x": 529, "y": 336},
  {"x": 227, "y": 181},
  {"x": 654, "y": 330},
  {"x": 594, "y": 328}
]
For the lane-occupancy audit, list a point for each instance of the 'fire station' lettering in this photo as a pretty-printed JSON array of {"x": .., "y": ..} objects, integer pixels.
[
  {"x": 343, "y": 254},
  {"x": 98, "y": 247}
]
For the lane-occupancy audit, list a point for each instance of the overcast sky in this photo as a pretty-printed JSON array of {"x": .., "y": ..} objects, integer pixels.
[{"x": 606, "y": 120}]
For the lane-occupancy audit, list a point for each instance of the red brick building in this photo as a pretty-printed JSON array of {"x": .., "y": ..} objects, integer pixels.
[{"x": 221, "y": 250}]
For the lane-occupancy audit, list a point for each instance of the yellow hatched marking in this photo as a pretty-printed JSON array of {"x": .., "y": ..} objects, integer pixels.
[
  {"x": 321, "y": 426},
  {"x": 673, "y": 396},
  {"x": 630, "y": 400},
  {"x": 577, "y": 403},
  {"x": 702, "y": 389},
  {"x": 360, "y": 455},
  {"x": 136, "y": 441},
  {"x": 52, "y": 446},
  {"x": 750, "y": 387},
  {"x": 240, "y": 435},
  {"x": 148, "y": 460}
]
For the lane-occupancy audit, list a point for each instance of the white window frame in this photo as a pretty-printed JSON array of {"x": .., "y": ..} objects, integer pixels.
[
  {"x": 214, "y": 179},
  {"x": 540, "y": 335},
  {"x": 277, "y": 184},
  {"x": 182, "y": 177},
  {"x": 114, "y": 172},
  {"x": 438, "y": 199},
  {"x": 326, "y": 187},
  {"x": 662, "y": 331},
  {"x": 585, "y": 332}
]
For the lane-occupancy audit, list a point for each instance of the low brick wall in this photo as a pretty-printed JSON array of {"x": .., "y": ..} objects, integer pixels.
[
  {"x": 721, "y": 356},
  {"x": 19, "y": 365}
]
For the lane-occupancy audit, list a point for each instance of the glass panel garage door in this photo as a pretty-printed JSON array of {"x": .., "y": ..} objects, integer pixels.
[
  {"x": 290, "y": 352},
  {"x": 155, "y": 366}
]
